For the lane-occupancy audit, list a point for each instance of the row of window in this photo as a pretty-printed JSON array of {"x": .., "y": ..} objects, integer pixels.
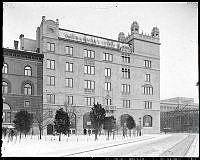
[
  {"x": 91, "y": 54},
  {"x": 89, "y": 84},
  {"x": 89, "y": 101},
  {"x": 91, "y": 70},
  {"x": 27, "y": 88},
  {"x": 69, "y": 68},
  {"x": 27, "y": 70},
  {"x": 167, "y": 108}
]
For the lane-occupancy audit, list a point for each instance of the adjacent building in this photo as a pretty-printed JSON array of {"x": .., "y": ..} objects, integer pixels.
[
  {"x": 22, "y": 84},
  {"x": 80, "y": 69},
  {"x": 179, "y": 103},
  {"x": 179, "y": 114}
]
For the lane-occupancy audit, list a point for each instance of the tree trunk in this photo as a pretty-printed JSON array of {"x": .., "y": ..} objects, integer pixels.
[
  {"x": 20, "y": 135},
  {"x": 60, "y": 137},
  {"x": 96, "y": 133},
  {"x": 130, "y": 132},
  {"x": 123, "y": 133},
  {"x": 108, "y": 134},
  {"x": 113, "y": 134},
  {"x": 40, "y": 134}
]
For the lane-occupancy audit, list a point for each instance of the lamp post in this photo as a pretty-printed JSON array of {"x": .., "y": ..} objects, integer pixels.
[{"x": 140, "y": 126}]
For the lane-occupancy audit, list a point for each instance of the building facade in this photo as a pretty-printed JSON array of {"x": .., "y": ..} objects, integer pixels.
[
  {"x": 179, "y": 114},
  {"x": 173, "y": 104},
  {"x": 79, "y": 69},
  {"x": 22, "y": 83}
]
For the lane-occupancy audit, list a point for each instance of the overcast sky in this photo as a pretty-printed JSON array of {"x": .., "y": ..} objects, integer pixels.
[{"x": 177, "y": 22}]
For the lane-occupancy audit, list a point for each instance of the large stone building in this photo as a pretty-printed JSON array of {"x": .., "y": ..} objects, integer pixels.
[
  {"x": 22, "y": 83},
  {"x": 123, "y": 75}
]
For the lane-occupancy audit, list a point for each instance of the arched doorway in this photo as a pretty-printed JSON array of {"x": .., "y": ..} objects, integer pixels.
[
  {"x": 87, "y": 125},
  {"x": 49, "y": 129},
  {"x": 123, "y": 119},
  {"x": 123, "y": 124},
  {"x": 72, "y": 118}
]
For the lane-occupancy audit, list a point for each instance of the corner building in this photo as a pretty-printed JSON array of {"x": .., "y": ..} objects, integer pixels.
[
  {"x": 22, "y": 80},
  {"x": 123, "y": 75}
]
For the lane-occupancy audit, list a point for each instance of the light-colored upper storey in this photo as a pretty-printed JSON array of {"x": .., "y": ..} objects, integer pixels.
[{"x": 136, "y": 43}]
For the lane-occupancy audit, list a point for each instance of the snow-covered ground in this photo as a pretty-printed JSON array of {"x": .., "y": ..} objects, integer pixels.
[
  {"x": 49, "y": 146},
  {"x": 194, "y": 149}
]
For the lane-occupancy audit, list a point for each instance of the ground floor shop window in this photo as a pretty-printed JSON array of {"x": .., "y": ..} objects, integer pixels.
[{"x": 147, "y": 121}]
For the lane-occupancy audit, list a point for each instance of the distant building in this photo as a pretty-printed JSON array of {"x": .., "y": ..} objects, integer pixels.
[
  {"x": 79, "y": 69},
  {"x": 177, "y": 103},
  {"x": 179, "y": 114},
  {"x": 22, "y": 83}
]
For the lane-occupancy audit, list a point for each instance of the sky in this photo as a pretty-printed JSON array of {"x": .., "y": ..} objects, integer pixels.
[{"x": 177, "y": 22}]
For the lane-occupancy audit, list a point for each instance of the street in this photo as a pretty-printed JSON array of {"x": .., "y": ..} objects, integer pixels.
[{"x": 154, "y": 147}]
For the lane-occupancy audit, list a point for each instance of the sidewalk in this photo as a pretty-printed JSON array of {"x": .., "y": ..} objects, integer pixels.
[
  {"x": 106, "y": 144},
  {"x": 194, "y": 148},
  {"x": 55, "y": 148}
]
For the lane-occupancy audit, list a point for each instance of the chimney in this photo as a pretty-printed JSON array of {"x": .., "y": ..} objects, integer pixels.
[
  {"x": 43, "y": 18},
  {"x": 57, "y": 21},
  {"x": 21, "y": 37},
  {"x": 16, "y": 44}
]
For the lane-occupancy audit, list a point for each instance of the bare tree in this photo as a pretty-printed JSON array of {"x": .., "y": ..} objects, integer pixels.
[
  {"x": 42, "y": 120},
  {"x": 72, "y": 110}
]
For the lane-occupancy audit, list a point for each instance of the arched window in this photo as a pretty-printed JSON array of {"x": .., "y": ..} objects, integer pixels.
[
  {"x": 27, "y": 71},
  {"x": 4, "y": 87},
  {"x": 27, "y": 89},
  {"x": 147, "y": 89},
  {"x": 5, "y": 68},
  {"x": 147, "y": 121}
]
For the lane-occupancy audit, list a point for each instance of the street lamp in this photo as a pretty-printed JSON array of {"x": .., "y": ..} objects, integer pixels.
[{"x": 140, "y": 126}]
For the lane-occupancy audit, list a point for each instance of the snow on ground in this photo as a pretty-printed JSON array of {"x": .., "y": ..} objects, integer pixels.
[
  {"x": 150, "y": 148},
  {"x": 50, "y": 146},
  {"x": 194, "y": 149}
]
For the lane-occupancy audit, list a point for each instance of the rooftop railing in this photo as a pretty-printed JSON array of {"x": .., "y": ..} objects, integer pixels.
[{"x": 80, "y": 37}]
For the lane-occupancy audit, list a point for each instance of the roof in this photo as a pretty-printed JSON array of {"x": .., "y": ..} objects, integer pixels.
[{"x": 22, "y": 52}]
